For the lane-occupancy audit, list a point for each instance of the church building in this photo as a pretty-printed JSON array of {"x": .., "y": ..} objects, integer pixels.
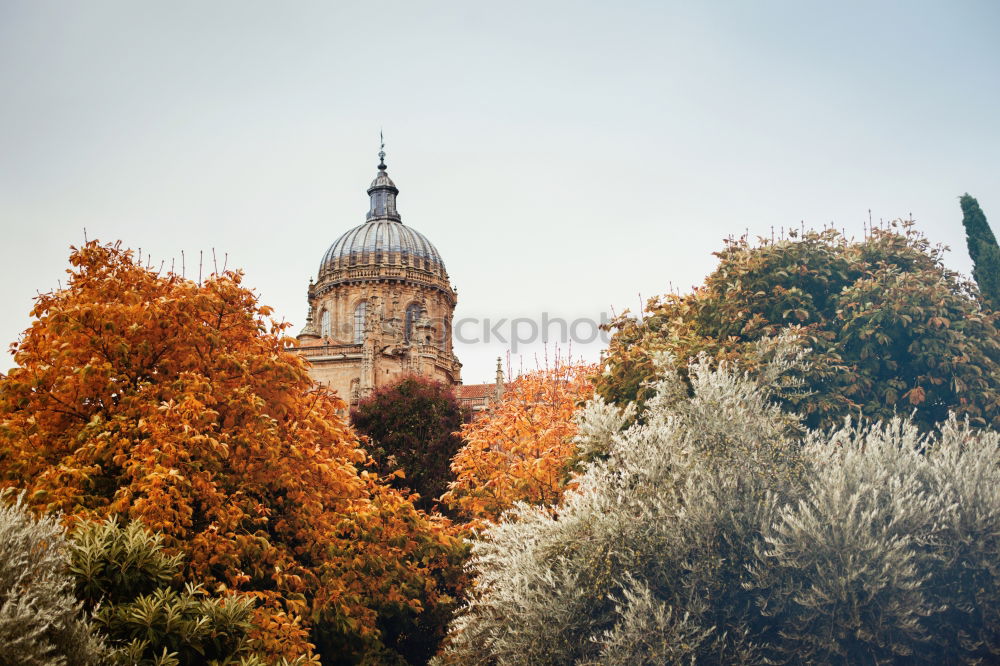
[{"x": 381, "y": 308}]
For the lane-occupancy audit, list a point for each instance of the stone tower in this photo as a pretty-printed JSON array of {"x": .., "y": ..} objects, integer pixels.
[{"x": 381, "y": 306}]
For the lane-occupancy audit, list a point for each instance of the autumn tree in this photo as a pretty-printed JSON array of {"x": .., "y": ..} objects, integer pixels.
[
  {"x": 412, "y": 426},
  {"x": 983, "y": 249},
  {"x": 149, "y": 397},
  {"x": 521, "y": 448},
  {"x": 891, "y": 329}
]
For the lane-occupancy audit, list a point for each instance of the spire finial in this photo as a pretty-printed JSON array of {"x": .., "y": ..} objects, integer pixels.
[
  {"x": 382, "y": 190},
  {"x": 498, "y": 387}
]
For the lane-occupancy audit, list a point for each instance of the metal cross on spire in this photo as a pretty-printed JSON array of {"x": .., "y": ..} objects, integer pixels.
[{"x": 381, "y": 151}]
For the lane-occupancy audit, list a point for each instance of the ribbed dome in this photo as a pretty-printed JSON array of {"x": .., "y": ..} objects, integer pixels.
[{"x": 383, "y": 241}]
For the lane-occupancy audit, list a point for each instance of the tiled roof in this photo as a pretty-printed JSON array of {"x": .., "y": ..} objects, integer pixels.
[{"x": 474, "y": 391}]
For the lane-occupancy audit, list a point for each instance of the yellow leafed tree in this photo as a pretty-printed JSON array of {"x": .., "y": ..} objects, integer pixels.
[{"x": 520, "y": 449}]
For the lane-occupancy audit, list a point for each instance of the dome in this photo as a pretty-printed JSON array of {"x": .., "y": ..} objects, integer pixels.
[{"x": 383, "y": 239}]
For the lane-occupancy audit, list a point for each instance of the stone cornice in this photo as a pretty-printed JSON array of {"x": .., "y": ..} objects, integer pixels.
[{"x": 382, "y": 273}]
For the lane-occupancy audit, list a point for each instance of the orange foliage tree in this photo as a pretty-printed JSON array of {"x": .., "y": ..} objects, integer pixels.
[
  {"x": 520, "y": 450},
  {"x": 152, "y": 397}
]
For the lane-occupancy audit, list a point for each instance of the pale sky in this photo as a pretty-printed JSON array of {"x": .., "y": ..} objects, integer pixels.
[{"x": 564, "y": 157}]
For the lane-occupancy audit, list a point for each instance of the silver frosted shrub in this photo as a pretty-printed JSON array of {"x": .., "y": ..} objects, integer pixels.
[
  {"x": 892, "y": 552},
  {"x": 41, "y": 622},
  {"x": 713, "y": 528}
]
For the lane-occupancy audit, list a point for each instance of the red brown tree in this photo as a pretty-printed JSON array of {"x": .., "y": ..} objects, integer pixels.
[{"x": 412, "y": 426}]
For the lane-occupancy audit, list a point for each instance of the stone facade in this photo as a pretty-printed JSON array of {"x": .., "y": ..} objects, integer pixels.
[{"x": 381, "y": 306}]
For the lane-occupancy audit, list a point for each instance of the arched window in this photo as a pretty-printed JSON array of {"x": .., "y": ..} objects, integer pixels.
[
  {"x": 412, "y": 315},
  {"x": 324, "y": 324},
  {"x": 359, "y": 322}
]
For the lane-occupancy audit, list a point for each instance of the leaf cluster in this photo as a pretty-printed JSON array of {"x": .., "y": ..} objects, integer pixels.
[{"x": 146, "y": 615}]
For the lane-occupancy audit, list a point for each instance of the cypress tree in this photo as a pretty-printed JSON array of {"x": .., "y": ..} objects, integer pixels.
[{"x": 983, "y": 249}]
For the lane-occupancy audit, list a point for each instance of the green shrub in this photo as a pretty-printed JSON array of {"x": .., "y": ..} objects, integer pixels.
[{"x": 132, "y": 588}]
